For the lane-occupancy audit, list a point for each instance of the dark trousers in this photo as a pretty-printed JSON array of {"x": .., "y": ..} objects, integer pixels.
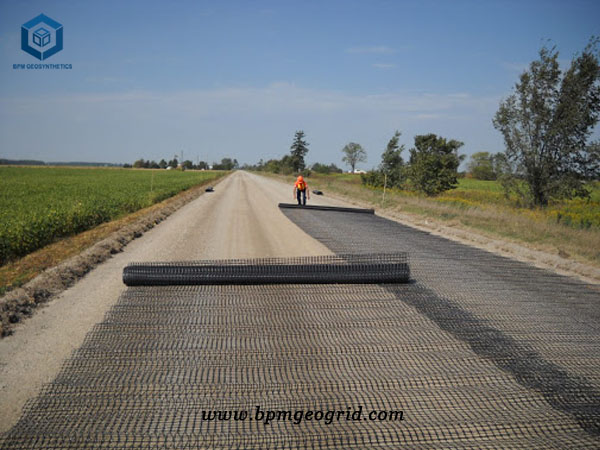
[{"x": 301, "y": 196}]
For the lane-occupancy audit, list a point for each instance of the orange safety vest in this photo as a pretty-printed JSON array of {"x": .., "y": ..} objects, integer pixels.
[{"x": 300, "y": 185}]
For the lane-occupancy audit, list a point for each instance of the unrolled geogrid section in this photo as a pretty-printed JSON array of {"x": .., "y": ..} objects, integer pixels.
[
  {"x": 541, "y": 327},
  {"x": 352, "y": 268},
  {"x": 164, "y": 354}
]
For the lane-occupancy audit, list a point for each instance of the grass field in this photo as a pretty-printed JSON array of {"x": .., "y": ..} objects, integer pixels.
[
  {"x": 41, "y": 204},
  {"x": 569, "y": 228}
]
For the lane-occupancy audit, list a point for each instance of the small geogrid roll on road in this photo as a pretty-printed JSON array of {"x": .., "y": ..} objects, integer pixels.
[
  {"x": 330, "y": 269},
  {"x": 327, "y": 208}
]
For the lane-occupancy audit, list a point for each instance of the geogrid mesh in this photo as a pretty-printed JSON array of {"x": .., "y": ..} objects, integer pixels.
[
  {"x": 479, "y": 353},
  {"x": 165, "y": 354},
  {"x": 353, "y": 268},
  {"x": 541, "y": 327}
]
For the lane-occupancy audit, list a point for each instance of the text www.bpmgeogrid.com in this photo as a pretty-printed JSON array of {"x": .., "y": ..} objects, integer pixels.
[{"x": 297, "y": 416}]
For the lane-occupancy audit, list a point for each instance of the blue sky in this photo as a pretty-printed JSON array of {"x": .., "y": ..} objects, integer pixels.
[{"x": 237, "y": 79}]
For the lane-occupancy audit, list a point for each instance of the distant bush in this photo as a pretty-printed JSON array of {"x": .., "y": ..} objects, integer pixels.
[
  {"x": 325, "y": 169},
  {"x": 373, "y": 178}
]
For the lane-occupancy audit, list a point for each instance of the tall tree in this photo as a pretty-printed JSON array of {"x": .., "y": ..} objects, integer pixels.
[
  {"x": 299, "y": 149},
  {"x": 547, "y": 121},
  {"x": 354, "y": 154},
  {"x": 481, "y": 166},
  {"x": 392, "y": 164},
  {"x": 434, "y": 164}
]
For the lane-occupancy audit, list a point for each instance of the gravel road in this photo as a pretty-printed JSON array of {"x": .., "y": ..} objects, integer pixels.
[
  {"x": 481, "y": 351},
  {"x": 239, "y": 220}
]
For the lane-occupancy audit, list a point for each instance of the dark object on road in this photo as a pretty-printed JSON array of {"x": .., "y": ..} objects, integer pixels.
[
  {"x": 328, "y": 208},
  {"x": 331, "y": 269},
  {"x": 317, "y": 192},
  {"x": 209, "y": 189}
]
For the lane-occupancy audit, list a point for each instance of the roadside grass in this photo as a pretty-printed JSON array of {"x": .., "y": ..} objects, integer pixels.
[
  {"x": 570, "y": 229},
  {"x": 84, "y": 187}
]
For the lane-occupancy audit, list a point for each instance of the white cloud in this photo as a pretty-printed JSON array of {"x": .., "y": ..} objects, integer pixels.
[
  {"x": 514, "y": 66},
  {"x": 428, "y": 116},
  {"x": 384, "y": 66},
  {"x": 247, "y": 123},
  {"x": 377, "y": 49},
  {"x": 105, "y": 79}
]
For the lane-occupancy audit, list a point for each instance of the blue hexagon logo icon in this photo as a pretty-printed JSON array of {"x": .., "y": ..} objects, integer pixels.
[{"x": 42, "y": 37}]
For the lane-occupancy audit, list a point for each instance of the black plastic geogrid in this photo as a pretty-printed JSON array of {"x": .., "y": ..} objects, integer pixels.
[
  {"x": 340, "y": 269},
  {"x": 541, "y": 327},
  {"x": 327, "y": 208},
  {"x": 479, "y": 352}
]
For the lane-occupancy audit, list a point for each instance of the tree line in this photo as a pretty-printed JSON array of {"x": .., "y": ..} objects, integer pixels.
[
  {"x": 225, "y": 164},
  {"x": 294, "y": 162}
]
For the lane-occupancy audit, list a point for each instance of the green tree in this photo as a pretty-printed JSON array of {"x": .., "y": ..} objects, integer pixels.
[
  {"x": 325, "y": 169},
  {"x": 373, "y": 178},
  {"x": 226, "y": 164},
  {"x": 354, "y": 153},
  {"x": 392, "y": 164},
  {"x": 592, "y": 168},
  {"x": 187, "y": 164},
  {"x": 434, "y": 164},
  {"x": 139, "y": 164},
  {"x": 481, "y": 166},
  {"x": 272, "y": 165},
  {"x": 299, "y": 149},
  {"x": 162, "y": 164},
  {"x": 547, "y": 121},
  {"x": 174, "y": 163},
  {"x": 500, "y": 164}
]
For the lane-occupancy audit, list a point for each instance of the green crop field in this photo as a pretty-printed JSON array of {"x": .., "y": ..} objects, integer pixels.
[{"x": 40, "y": 204}]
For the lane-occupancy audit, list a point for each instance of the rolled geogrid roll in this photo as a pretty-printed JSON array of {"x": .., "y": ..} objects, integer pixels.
[
  {"x": 328, "y": 208},
  {"x": 334, "y": 269}
]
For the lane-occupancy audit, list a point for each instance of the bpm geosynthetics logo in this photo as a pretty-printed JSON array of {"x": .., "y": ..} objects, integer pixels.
[{"x": 42, "y": 37}]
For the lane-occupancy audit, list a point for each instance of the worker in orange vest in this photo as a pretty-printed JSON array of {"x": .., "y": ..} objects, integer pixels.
[{"x": 301, "y": 190}]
